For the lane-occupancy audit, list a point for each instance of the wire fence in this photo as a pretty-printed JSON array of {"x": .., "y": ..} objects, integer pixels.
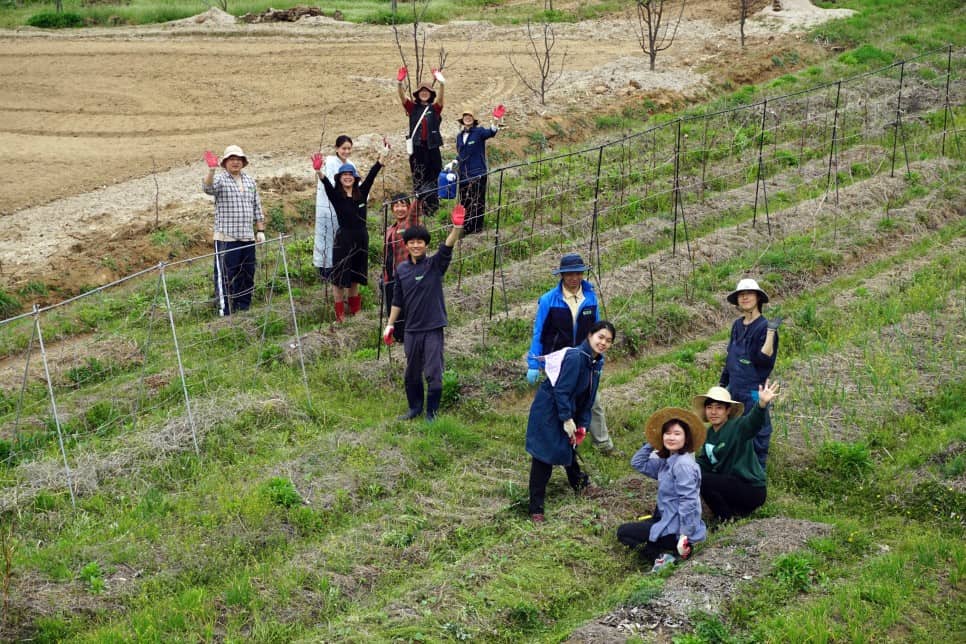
[{"x": 137, "y": 354}]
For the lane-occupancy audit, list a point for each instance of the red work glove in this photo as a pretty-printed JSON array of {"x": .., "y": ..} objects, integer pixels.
[
  {"x": 387, "y": 335},
  {"x": 401, "y": 74},
  {"x": 211, "y": 159},
  {"x": 684, "y": 548},
  {"x": 459, "y": 215},
  {"x": 499, "y": 111},
  {"x": 317, "y": 161},
  {"x": 580, "y": 435}
]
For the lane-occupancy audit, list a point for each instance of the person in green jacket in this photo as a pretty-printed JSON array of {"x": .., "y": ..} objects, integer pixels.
[{"x": 732, "y": 479}]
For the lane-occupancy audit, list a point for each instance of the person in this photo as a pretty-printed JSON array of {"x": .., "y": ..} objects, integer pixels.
[
  {"x": 350, "y": 251},
  {"x": 732, "y": 478},
  {"x": 560, "y": 412},
  {"x": 405, "y": 212},
  {"x": 425, "y": 110},
  {"x": 418, "y": 295},
  {"x": 565, "y": 314},
  {"x": 471, "y": 167},
  {"x": 326, "y": 221},
  {"x": 673, "y": 435},
  {"x": 237, "y": 210},
  {"x": 752, "y": 350}
]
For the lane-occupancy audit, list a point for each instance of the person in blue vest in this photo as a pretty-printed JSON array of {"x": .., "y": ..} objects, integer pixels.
[
  {"x": 471, "y": 167},
  {"x": 425, "y": 110},
  {"x": 560, "y": 412},
  {"x": 752, "y": 350},
  {"x": 565, "y": 315}
]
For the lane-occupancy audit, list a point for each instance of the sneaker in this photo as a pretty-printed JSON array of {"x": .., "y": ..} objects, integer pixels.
[
  {"x": 662, "y": 562},
  {"x": 537, "y": 518}
]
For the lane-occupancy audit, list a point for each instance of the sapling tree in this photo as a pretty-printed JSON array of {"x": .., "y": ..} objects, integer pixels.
[
  {"x": 418, "y": 61},
  {"x": 657, "y": 25},
  {"x": 542, "y": 54},
  {"x": 744, "y": 8}
]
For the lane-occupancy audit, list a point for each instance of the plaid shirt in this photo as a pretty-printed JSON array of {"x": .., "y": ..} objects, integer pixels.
[
  {"x": 236, "y": 211},
  {"x": 394, "y": 249}
]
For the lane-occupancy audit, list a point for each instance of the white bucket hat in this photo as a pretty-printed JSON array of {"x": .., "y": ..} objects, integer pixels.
[
  {"x": 747, "y": 284},
  {"x": 234, "y": 151}
]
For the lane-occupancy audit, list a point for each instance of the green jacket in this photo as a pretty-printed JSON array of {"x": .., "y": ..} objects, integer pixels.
[{"x": 734, "y": 449}]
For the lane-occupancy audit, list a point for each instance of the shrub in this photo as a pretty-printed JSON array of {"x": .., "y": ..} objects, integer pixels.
[
  {"x": 53, "y": 20},
  {"x": 9, "y": 305},
  {"x": 282, "y": 492}
]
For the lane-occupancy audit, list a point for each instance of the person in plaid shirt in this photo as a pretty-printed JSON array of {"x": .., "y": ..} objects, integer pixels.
[
  {"x": 406, "y": 212},
  {"x": 237, "y": 211}
]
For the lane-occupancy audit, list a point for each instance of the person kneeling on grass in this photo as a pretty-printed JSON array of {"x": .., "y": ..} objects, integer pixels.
[
  {"x": 673, "y": 435},
  {"x": 418, "y": 295}
]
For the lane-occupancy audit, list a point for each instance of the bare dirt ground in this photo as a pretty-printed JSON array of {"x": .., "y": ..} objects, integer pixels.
[{"x": 102, "y": 129}]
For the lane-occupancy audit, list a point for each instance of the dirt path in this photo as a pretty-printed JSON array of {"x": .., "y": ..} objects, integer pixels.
[{"x": 92, "y": 118}]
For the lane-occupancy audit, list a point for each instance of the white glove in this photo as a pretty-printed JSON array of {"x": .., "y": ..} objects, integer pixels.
[
  {"x": 260, "y": 237},
  {"x": 450, "y": 166},
  {"x": 684, "y": 548},
  {"x": 438, "y": 75},
  {"x": 570, "y": 427}
]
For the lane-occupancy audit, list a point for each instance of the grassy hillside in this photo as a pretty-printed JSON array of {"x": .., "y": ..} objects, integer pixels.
[{"x": 278, "y": 508}]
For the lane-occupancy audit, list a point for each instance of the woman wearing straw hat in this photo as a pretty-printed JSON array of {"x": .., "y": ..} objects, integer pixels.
[
  {"x": 732, "y": 479},
  {"x": 561, "y": 409},
  {"x": 237, "y": 210},
  {"x": 673, "y": 436},
  {"x": 752, "y": 350}
]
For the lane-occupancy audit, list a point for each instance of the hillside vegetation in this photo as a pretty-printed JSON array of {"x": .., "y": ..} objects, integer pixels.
[{"x": 283, "y": 501}]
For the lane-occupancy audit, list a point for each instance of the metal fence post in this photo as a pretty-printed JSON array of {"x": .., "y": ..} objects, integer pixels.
[
  {"x": 53, "y": 406},
  {"x": 177, "y": 351},
  {"x": 295, "y": 321}
]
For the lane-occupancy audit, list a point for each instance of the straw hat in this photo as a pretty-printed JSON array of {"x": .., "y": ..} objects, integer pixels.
[
  {"x": 652, "y": 429},
  {"x": 467, "y": 110},
  {"x": 747, "y": 284},
  {"x": 234, "y": 151},
  {"x": 717, "y": 394}
]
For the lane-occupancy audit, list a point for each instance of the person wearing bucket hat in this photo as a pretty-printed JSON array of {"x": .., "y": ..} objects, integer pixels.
[
  {"x": 405, "y": 213},
  {"x": 350, "y": 250},
  {"x": 237, "y": 210},
  {"x": 326, "y": 221},
  {"x": 732, "y": 479},
  {"x": 752, "y": 350},
  {"x": 565, "y": 314},
  {"x": 425, "y": 110},
  {"x": 673, "y": 435},
  {"x": 471, "y": 167},
  {"x": 560, "y": 408}
]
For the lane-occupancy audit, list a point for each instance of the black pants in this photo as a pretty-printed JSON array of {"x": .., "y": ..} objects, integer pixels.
[
  {"x": 426, "y": 164},
  {"x": 234, "y": 275},
  {"x": 636, "y": 535},
  {"x": 730, "y": 497},
  {"x": 539, "y": 477},
  {"x": 473, "y": 198}
]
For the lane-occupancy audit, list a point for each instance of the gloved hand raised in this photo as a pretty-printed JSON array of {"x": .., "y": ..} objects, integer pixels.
[
  {"x": 317, "y": 161},
  {"x": 211, "y": 159},
  {"x": 438, "y": 75},
  {"x": 570, "y": 427},
  {"x": 774, "y": 323},
  {"x": 532, "y": 375},
  {"x": 499, "y": 111},
  {"x": 684, "y": 547},
  {"x": 401, "y": 74},
  {"x": 387, "y": 335},
  {"x": 459, "y": 215}
]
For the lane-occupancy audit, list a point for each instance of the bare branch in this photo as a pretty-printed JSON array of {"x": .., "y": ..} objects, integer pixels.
[
  {"x": 544, "y": 61},
  {"x": 654, "y": 32}
]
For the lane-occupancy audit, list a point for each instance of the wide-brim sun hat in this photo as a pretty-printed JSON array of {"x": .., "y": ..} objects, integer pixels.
[
  {"x": 348, "y": 167},
  {"x": 234, "y": 151},
  {"x": 717, "y": 394},
  {"x": 427, "y": 86},
  {"x": 652, "y": 429},
  {"x": 571, "y": 263},
  {"x": 467, "y": 110},
  {"x": 747, "y": 284}
]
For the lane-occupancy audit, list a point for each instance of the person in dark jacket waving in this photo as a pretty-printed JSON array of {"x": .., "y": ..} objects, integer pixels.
[
  {"x": 471, "y": 166},
  {"x": 425, "y": 111},
  {"x": 350, "y": 252},
  {"x": 752, "y": 350},
  {"x": 560, "y": 412},
  {"x": 565, "y": 315}
]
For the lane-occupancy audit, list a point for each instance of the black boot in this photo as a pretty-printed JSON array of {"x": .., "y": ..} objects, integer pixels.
[
  {"x": 414, "y": 395},
  {"x": 432, "y": 403}
]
